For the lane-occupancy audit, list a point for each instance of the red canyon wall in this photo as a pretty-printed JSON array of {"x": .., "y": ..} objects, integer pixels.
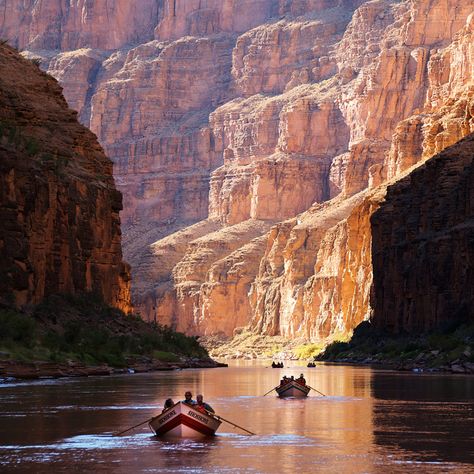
[
  {"x": 59, "y": 208},
  {"x": 272, "y": 126}
]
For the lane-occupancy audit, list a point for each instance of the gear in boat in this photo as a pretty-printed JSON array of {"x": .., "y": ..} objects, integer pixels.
[
  {"x": 291, "y": 387},
  {"x": 185, "y": 419}
]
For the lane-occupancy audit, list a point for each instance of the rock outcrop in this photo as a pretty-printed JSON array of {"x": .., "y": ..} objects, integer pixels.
[
  {"x": 59, "y": 207},
  {"x": 422, "y": 236},
  {"x": 254, "y": 140}
]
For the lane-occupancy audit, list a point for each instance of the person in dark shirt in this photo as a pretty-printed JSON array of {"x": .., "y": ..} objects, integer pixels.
[
  {"x": 168, "y": 404},
  {"x": 301, "y": 380},
  {"x": 202, "y": 406},
  {"x": 188, "y": 399}
]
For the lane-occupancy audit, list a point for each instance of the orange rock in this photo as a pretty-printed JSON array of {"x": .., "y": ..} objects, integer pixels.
[
  {"x": 59, "y": 206},
  {"x": 270, "y": 126}
]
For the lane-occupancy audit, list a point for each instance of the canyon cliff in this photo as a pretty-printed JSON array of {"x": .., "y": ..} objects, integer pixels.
[
  {"x": 59, "y": 207},
  {"x": 253, "y": 141},
  {"x": 422, "y": 245}
]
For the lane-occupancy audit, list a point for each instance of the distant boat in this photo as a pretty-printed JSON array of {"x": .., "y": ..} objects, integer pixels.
[
  {"x": 292, "y": 389},
  {"x": 184, "y": 421}
]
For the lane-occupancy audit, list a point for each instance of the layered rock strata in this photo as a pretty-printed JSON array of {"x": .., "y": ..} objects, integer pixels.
[
  {"x": 292, "y": 114},
  {"x": 59, "y": 207}
]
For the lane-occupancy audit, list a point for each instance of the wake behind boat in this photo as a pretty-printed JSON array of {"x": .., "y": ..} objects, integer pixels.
[
  {"x": 292, "y": 388},
  {"x": 184, "y": 421}
]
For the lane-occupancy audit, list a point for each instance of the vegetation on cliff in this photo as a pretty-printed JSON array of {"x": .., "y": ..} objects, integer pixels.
[{"x": 86, "y": 330}]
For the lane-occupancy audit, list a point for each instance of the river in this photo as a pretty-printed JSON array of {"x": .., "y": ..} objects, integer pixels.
[{"x": 370, "y": 421}]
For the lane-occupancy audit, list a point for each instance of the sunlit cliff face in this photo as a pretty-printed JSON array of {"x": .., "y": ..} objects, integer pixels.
[{"x": 270, "y": 126}]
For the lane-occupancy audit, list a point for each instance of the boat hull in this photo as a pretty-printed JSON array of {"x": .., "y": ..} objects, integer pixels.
[
  {"x": 293, "y": 389},
  {"x": 183, "y": 421}
]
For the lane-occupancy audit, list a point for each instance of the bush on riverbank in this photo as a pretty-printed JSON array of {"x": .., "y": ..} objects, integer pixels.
[
  {"x": 85, "y": 329},
  {"x": 308, "y": 351},
  {"x": 441, "y": 349}
]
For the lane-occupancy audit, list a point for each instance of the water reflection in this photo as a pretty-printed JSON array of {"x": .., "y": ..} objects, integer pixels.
[
  {"x": 429, "y": 417},
  {"x": 369, "y": 422}
]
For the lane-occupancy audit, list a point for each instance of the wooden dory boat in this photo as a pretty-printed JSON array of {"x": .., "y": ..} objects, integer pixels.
[
  {"x": 292, "y": 389},
  {"x": 184, "y": 421}
]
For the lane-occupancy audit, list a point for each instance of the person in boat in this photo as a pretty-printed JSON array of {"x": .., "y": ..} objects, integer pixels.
[
  {"x": 188, "y": 399},
  {"x": 168, "y": 404},
  {"x": 301, "y": 380},
  {"x": 202, "y": 406}
]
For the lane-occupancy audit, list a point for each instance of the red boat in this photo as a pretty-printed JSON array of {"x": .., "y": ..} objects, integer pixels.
[
  {"x": 292, "y": 389},
  {"x": 184, "y": 421}
]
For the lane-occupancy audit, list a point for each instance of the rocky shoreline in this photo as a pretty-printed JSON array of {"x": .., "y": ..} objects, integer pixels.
[
  {"x": 449, "y": 351},
  {"x": 456, "y": 367},
  {"x": 15, "y": 370}
]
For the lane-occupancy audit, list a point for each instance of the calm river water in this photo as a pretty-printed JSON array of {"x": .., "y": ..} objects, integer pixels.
[{"x": 370, "y": 421}]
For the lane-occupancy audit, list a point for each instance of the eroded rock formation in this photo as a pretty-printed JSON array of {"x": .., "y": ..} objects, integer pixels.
[
  {"x": 59, "y": 207},
  {"x": 274, "y": 127}
]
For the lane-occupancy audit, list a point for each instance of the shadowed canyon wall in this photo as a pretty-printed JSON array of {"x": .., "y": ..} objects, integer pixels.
[
  {"x": 423, "y": 236},
  {"x": 254, "y": 140},
  {"x": 59, "y": 208}
]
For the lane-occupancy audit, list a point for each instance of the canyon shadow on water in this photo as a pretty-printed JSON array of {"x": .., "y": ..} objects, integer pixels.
[{"x": 370, "y": 421}]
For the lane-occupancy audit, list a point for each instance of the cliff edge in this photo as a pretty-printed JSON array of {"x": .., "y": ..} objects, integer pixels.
[{"x": 59, "y": 207}]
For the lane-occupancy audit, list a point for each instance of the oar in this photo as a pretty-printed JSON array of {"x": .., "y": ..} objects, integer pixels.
[
  {"x": 270, "y": 391},
  {"x": 321, "y": 393},
  {"x": 227, "y": 421},
  {"x": 136, "y": 426}
]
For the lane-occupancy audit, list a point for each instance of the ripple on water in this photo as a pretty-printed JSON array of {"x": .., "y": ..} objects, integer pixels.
[
  {"x": 89, "y": 442},
  {"x": 243, "y": 441},
  {"x": 107, "y": 407}
]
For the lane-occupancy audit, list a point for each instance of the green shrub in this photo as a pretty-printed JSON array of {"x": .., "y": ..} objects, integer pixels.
[
  {"x": 308, "y": 351},
  {"x": 443, "y": 342},
  {"x": 31, "y": 147},
  {"x": 82, "y": 327},
  {"x": 165, "y": 356},
  {"x": 336, "y": 348},
  {"x": 17, "y": 327}
]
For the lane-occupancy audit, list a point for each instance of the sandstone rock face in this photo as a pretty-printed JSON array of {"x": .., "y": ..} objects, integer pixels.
[
  {"x": 422, "y": 245},
  {"x": 59, "y": 207},
  {"x": 254, "y": 140},
  {"x": 208, "y": 17},
  {"x": 73, "y": 24}
]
